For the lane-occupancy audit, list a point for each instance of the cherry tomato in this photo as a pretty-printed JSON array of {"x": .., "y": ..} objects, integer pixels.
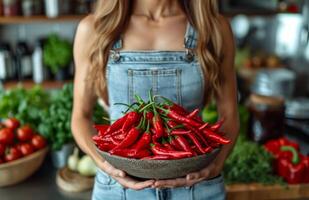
[
  {"x": 38, "y": 142},
  {"x": 24, "y": 133},
  {"x": 2, "y": 149},
  {"x": 6, "y": 136},
  {"x": 13, "y": 154},
  {"x": 11, "y": 123},
  {"x": 26, "y": 149},
  {"x": 2, "y": 161}
]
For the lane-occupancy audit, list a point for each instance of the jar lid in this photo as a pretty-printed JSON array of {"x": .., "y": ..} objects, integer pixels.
[
  {"x": 297, "y": 108},
  {"x": 274, "y": 82},
  {"x": 266, "y": 100}
]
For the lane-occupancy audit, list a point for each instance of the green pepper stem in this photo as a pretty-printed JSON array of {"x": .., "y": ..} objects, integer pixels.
[
  {"x": 145, "y": 107},
  {"x": 295, "y": 157}
]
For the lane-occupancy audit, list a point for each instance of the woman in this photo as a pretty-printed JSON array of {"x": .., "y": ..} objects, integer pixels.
[{"x": 183, "y": 50}]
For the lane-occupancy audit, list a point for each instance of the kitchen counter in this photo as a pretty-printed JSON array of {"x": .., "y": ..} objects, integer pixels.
[{"x": 41, "y": 185}]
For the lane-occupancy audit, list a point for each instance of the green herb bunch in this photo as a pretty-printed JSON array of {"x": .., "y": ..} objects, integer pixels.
[{"x": 24, "y": 104}]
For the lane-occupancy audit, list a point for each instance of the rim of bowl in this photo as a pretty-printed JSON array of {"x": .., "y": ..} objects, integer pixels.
[
  {"x": 24, "y": 159},
  {"x": 182, "y": 159}
]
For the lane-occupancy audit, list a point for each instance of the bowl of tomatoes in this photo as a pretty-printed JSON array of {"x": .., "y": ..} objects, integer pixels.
[{"x": 22, "y": 151}]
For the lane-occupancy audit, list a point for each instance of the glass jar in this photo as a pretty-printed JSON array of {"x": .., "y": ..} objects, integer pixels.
[
  {"x": 10, "y": 7},
  {"x": 267, "y": 116}
]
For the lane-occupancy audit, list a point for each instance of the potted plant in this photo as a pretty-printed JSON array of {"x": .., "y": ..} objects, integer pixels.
[
  {"x": 57, "y": 56},
  {"x": 56, "y": 124}
]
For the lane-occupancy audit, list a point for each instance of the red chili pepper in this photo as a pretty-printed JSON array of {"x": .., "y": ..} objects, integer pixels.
[
  {"x": 118, "y": 124},
  {"x": 198, "y": 134},
  {"x": 174, "y": 143},
  {"x": 144, "y": 141},
  {"x": 215, "y": 137},
  {"x": 158, "y": 157},
  {"x": 106, "y": 146},
  {"x": 216, "y": 127},
  {"x": 131, "y": 153},
  {"x": 101, "y": 128},
  {"x": 129, "y": 140},
  {"x": 171, "y": 124},
  {"x": 159, "y": 150},
  {"x": 120, "y": 136},
  {"x": 177, "y": 108},
  {"x": 132, "y": 118},
  {"x": 115, "y": 141},
  {"x": 168, "y": 145},
  {"x": 196, "y": 142},
  {"x": 157, "y": 125},
  {"x": 192, "y": 114},
  {"x": 205, "y": 125},
  {"x": 208, "y": 149},
  {"x": 293, "y": 170},
  {"x": 180, "y": 132},
  {"x": 184, "y": 144},
  {"x": 179, "y": 118},
  {"x": 149, "y": 115}
]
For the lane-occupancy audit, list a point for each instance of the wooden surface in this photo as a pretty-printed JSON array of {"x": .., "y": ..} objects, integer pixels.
[
  {"x": 70, "y": 181},
  {"x": 39, "y": 18},
  {"x": 29, "y": 84},
  {"x": 260, "y": 192}
]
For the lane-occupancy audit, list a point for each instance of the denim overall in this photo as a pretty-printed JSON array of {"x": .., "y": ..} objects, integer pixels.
[{"x": 176, "y": 75}]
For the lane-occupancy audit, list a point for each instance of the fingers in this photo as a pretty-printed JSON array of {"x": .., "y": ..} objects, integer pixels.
[
  {"x": 171, "y": 183},
  {"x": 131, "y": 183},
  {"x": 197, "y": 175},
  {"x": 112, "y": 171}
]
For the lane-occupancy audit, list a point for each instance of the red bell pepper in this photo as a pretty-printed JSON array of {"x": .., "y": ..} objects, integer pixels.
[
  {"x": 293, "y": 169},
  {"x": 274, "y": 146}
]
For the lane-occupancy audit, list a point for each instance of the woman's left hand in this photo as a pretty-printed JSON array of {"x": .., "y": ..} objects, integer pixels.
[{"x": 210, "y": 171}]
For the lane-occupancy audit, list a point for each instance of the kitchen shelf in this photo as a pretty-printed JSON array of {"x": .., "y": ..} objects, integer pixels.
[
  {"x": 29, "y": 84},
  {"x": 39, "y": 18}
]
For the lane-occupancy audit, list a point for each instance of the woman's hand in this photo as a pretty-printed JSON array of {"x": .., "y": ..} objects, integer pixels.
[
  {"x": 211, "y": 171},
  {"x": 122, "y": 178}
]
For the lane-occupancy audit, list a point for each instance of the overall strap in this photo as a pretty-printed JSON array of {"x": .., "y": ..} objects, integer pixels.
[
  {"x": 190, "y": 42},
  {"x": 190, "y": 37},
  {"x": 115, "y": 50},
  {"x": 118, "y": 44}
]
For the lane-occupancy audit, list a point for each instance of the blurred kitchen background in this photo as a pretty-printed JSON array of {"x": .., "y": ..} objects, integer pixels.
[{"x": 272, "y": 63}]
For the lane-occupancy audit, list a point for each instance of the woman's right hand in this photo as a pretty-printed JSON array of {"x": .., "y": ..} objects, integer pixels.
[{"x": 121, "y": 177}]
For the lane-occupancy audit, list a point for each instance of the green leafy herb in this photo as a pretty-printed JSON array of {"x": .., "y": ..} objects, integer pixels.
[
  {"x": 57, "y": 53},
  {"x": 25, "y": 105}
]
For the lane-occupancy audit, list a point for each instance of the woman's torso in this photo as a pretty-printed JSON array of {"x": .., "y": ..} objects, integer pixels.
[{"x": 176, "y": 75}]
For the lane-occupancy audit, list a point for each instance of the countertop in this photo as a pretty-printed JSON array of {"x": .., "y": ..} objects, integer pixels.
[{"x": 41, "y": 186}]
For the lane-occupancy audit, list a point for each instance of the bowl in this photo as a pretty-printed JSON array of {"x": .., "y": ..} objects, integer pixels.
[
  {"x": 160, "y": 169},
  {"x": 16, "y": 171}
]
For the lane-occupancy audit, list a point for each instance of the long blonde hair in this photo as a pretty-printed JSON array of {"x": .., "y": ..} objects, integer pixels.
[{"x": 111, "y": 19}]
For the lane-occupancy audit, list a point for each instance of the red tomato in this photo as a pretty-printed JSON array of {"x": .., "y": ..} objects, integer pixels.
[
  {"x": 24, "y": 133},
  {"x": 2, "y": 150},
  {"x": 11, "y": 123},
  {"x": 26, "y": 149},
  {"x": 13, "y": 154},
  {"x": 2, "y": 161},
  {"x": 38, "y": 142},
  {"x": 6, "y": 136}
]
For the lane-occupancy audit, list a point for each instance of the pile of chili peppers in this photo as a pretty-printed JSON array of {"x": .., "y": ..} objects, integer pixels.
[
  {"x": 289, "y": 163},
  {"x": 159, "y": 131}
]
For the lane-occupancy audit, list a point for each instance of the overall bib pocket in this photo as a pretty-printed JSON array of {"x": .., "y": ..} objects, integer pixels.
[{"x": 162, "y": 81}]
